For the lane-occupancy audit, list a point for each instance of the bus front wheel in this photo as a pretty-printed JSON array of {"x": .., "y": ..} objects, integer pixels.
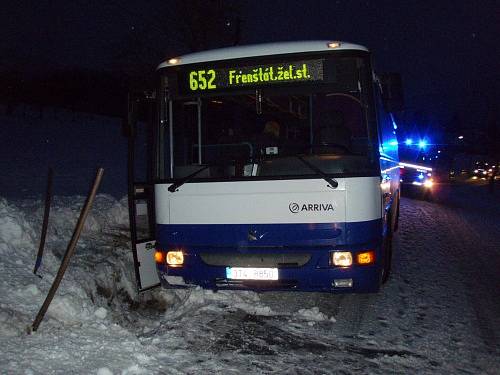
[
  {"x": 396, "y": 222},
  {"x": 387, "y": 254}
]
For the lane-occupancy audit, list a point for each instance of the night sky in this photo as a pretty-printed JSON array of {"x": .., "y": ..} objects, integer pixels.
[{"x": 446, "y": 51}]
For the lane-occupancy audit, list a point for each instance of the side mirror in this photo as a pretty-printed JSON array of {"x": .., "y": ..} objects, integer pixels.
[{"x": 392, "y": 91}]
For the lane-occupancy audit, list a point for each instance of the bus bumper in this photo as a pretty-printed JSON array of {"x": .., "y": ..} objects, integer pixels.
[{"x": 316, "y": 275}]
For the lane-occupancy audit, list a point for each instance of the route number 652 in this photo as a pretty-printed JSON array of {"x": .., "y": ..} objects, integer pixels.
[{"x": 202, "y": 80}]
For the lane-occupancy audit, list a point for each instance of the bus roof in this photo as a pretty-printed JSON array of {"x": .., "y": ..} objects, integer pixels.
[{"x": 265, "y": 49}]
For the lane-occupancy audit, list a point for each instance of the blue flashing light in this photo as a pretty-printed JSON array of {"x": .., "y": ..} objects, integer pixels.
[
  {"x": 422, "y": 143},
  {"x": 420, "y": 176},
  {"x": 393, "y": 143},
  {"x": 409, "y": 141}
]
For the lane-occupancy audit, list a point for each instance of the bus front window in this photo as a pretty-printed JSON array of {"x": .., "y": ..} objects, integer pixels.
[{"x": 237, "y": 139}]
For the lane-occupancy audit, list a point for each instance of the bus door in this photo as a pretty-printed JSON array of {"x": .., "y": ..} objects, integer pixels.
[{"x": 139, "y": 129}]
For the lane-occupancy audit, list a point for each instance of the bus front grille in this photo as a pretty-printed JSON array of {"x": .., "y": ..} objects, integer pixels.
[{"x": 256, "y": 260}]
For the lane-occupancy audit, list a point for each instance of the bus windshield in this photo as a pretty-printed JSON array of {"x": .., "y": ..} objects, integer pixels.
[{"x": 268, "y": 132}]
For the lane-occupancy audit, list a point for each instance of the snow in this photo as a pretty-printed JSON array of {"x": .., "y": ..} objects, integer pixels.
[
  {"x": 104, "y": 371},
  {"x": 313, "y": 315},
  {"x": 439, "y": 313},
  {"x": 101, "y": 313}
]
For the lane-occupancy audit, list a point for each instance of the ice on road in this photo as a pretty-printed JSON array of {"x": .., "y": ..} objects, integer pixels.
[{"x": 439, "y": 312}]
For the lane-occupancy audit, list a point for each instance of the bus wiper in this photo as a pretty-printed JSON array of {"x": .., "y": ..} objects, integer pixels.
[
  {"x": 173, "y": 188},
  {"x": 334, "y": 184}
]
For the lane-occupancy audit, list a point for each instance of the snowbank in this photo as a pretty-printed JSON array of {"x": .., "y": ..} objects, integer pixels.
[{"x": 94, "y": 269}]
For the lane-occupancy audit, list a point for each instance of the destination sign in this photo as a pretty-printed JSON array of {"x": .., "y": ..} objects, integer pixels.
[{"x": 212, "y": 79}]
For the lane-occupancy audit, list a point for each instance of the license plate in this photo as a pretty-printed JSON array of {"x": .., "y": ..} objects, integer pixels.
[{"x": 250, "y": 273}]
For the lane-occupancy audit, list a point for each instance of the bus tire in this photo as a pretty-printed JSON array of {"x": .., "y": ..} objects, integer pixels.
[
  {"x": 396, "y": 222},
  {"x": 387, "y": 254}
]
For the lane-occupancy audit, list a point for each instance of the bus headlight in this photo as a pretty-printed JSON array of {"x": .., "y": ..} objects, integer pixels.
[
  {"x": 341, "y": 258},
  {"x": 175, "y": 258}
]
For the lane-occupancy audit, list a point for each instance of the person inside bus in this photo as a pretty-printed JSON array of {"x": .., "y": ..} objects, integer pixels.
[
  {"x": 272, "y": 131},
  {"x": 268, "y": 142}
]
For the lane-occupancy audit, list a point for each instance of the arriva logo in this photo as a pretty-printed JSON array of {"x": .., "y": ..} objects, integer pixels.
[{"x": 308, "y": 207}]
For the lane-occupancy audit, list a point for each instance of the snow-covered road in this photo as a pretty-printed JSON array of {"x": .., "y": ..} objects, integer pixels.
[{"x": 439, "y": 313}]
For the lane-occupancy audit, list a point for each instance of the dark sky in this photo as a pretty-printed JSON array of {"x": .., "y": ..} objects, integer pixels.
[{"x": 447, "y": 51}]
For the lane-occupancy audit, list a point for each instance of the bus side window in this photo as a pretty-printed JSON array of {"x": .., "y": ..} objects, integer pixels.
[{"x": 387, "y": 134}]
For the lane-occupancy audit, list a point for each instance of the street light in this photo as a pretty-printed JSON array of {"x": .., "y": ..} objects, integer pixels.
[{"x": 460, "y": 137}]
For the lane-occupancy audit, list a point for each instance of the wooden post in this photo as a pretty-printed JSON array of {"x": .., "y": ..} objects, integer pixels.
[
  {"x": 70, "y": 250},
  {"x": 48, "y": 200}
]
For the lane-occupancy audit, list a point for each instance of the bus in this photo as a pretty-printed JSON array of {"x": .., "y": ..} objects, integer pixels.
[{"x": 269, "y": 167}]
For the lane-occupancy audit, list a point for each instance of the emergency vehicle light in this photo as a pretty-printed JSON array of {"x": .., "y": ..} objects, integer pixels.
[{"x": 415, "y": 166}]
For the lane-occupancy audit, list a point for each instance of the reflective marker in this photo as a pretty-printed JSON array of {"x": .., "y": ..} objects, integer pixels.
[
  {"x": 342, "y": 283},
  {"x": 366, "y": 257},
  {"x": 159, "y": 257}
]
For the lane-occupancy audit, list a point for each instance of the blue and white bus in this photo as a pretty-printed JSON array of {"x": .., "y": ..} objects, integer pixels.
[{"x": 275, "y": 167}]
